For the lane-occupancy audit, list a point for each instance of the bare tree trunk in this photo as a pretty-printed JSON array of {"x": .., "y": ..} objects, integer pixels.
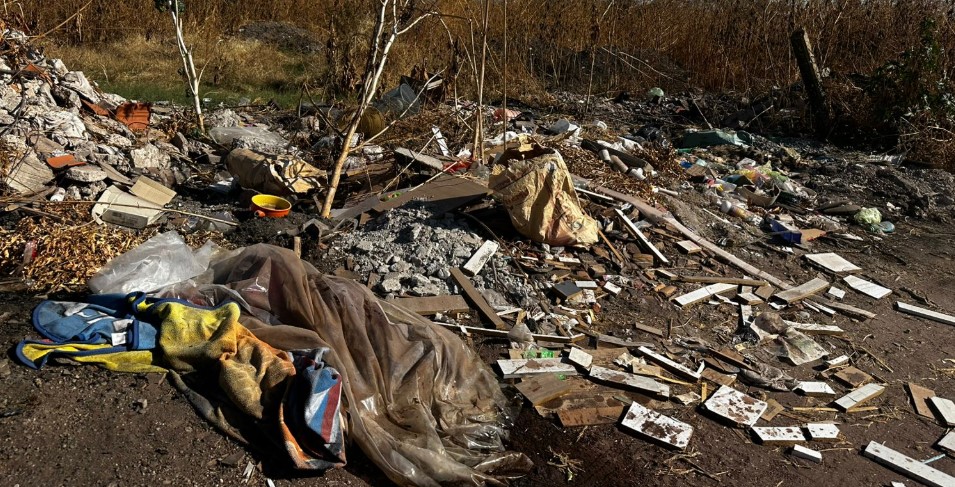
[
  {"x": 374, "y": 67},
  {"x": 189, "y": 67},
  {"x": 811, "y": 80}
]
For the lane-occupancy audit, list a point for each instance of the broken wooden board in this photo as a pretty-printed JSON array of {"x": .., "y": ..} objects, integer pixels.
[
  {"x": 432, "y": 305},
  {"x": 907, "y": 466},
  {"x": 734, "y": 406},
  {"x": 632, "y": 381},
  {"x": 513, "y": 369},
  {"x": 852, "y": 377},
  {"x": 424, "y": 159},
  {"x": 868, "y": 288},
  {"x": 947, "y": 443},
  {"x": 920, "y": 396},
  {"x": 859, "y": 396},
  {"x": 443, "y": 194},
  {"x": 657, "y": 427},
  {"x": 924, "y": 313},
  {"x": 540, "y": 389},
  {"x": 589, "y": 416},
  {"x": 481, "y": 256},
  {"x": 729, "y": 356},
  {"x": 584, "y": 394},
  {"x": 800, "y": 451},
  {"x": 815, "y": 389},
  {"x": 703, "y": 293},
  {"x": 671, "y": 366},
  {"x": 799, "y": 293},
  {"x": 826, "y": 432},
  {"x": 778, "y": 435},
  {"x": 649, "y": 329},
  {"x": 944, "y": 410},
  {"x": 833, "y": 263},
  {"x": 689, "y": 247},
  {"x": 717, "y": 377},
  {"x": 773, "y": 408},
  {"x": 477, "y": 299},
  {"x": 644, "y": 241}
]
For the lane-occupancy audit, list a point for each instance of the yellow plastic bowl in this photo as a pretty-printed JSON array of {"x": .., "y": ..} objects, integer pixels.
[{"x": 270, "y": 206}]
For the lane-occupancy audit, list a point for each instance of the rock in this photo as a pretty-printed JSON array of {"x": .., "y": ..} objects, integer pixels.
[
  {"x": 64, "y": 124},
  {"x": 390, "y": 285},
  {"x": 85, "y": 174},
  {"x": 29, "y": 175},
  {"x": 149, "y": 157},
  {"x": 76, "y": 81},
  {"x": 117, "y": 140},
  {"x": 66, "y": 98},
  {"x": 223, "y": 118},
  {"x": 180, "y": 142}
]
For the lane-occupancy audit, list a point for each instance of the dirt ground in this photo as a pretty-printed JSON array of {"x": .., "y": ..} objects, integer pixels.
[{"x": 93, "y": 427}]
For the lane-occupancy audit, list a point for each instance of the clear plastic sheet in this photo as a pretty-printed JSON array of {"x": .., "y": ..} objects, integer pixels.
[
  {"x": 160, "y": 261},
  {"x": 420, "y": 403}
]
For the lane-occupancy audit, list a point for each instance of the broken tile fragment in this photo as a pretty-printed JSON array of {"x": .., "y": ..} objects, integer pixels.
[
  {"x": 800, "y": 451},
  {"x": 855, "y": 398},
  {"x": 657, "y": 427},
  {"x": 944, "y": 409},
  {"x": 823, "y": 432},
  {"x": 734, "y": 406},
  {"x": 580, "y": 358},
  {"x": 815, "y": 389},
  {"x": 778, "y": 435}
]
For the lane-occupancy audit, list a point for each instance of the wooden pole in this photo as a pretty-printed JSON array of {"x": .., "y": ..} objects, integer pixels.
[{"x": 812, "y": 80}]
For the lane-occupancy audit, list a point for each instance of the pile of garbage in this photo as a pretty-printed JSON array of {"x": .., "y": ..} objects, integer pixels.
[{"x": 533, "y": 248}]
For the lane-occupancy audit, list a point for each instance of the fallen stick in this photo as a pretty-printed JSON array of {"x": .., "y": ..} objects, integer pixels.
[
  {"x": 657, "y": 217},
  {"x": 723, "y": 280},
  {"x": 145, "y": 207}
]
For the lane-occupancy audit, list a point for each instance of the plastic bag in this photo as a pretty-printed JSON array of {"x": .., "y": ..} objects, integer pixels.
[{"x": 162, "y": 260}]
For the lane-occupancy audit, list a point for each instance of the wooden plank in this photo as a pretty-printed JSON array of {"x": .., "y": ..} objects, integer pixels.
[
  {"x": 481, "y": 256},
  {"x": 657, "y": 427},
  {"x": 432, "y": 305},
  {"x": 850, "y": 311},
  {"x": 833, "y": 263},
  {"x": 748, "y": 299},
  {"x": 669, "y": 365},
  {"x": 589, "y": 416},
  {"x": 924, "y": 313},
  {"x": 703, "y": 294},
  {"x": 540, "y": 389},
  {"x": 632, "y": 381},
  {"x": 730, "y": 356},
  {"x": 476, "y": 299},
  {"x": 852, "y": 377},
  {"x": 513, "y": 369},
  {"x": 644, "y": 241},
  {"x": 424, "y": 159},
  {"x": 920, "y": 396},
  {"x": 799, "y": 293},
  {"x": 724, "y": 280},
  {"x": 444, "y": 194},
  {"x": 855, "y": 398},
  {"x": 868, "y": 288},
  {"x": 907, "y": 466},
  {"x": 778, "y": 435},
  {"x": 689, "y": 247},
  {"x": 648, "y": 329},
  {"x": 503, "y": 334},
  {"x": 944, "y": 410}
]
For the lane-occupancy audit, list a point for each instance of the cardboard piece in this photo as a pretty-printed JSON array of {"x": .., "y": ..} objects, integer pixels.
[{"x": 139, "y": 208}]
